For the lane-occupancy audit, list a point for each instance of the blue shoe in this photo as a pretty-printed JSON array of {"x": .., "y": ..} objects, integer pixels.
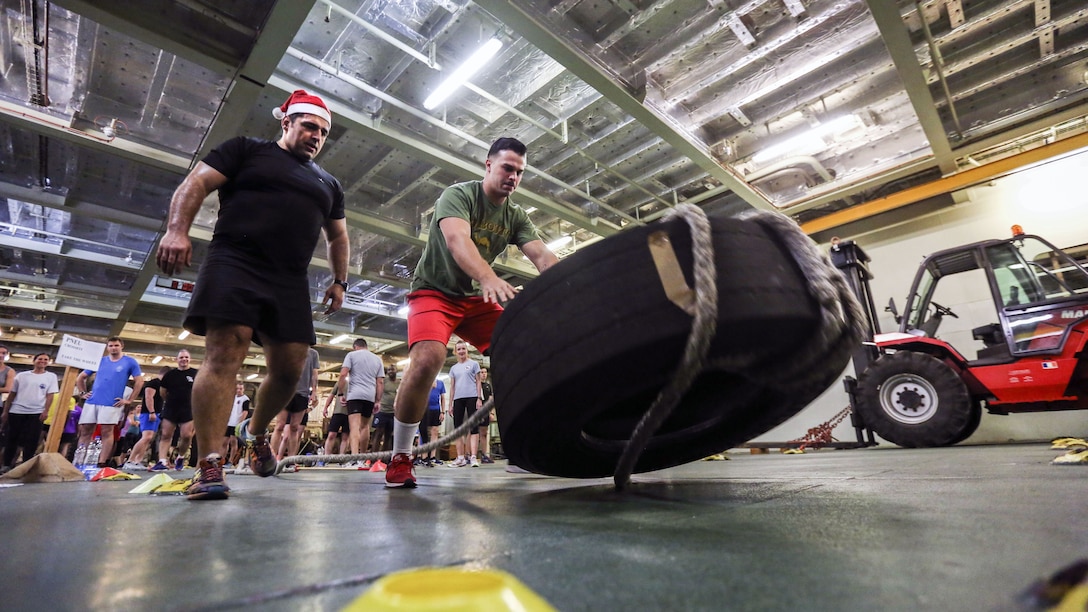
[
  {"x": 242, "y": 431},
  {"x": 179, "y": 463},
  {"x": 158, "y": 467}
]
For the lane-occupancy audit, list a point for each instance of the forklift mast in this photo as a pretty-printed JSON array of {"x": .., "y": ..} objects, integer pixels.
[{"x": 851, "y": 260}]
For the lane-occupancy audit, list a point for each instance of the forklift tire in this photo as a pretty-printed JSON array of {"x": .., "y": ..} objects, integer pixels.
[
  {"x": 579, "y": 355},
  {"x": 916, "y": 400},
  {"x": 972, "y": 423}
]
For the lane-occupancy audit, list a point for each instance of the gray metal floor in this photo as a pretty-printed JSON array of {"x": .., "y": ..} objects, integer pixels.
[{"x": 964, "y": 528}]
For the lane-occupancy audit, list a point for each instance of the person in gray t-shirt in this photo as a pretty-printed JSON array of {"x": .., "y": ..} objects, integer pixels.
[
  {"x": 364, "y": 375},
  {"x": 465, "y": 389},
  {"x": 292, "y": 418}
]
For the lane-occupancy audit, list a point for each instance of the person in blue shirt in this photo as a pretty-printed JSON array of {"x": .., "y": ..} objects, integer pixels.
[
  {"x": 106, "y": 403},
  {"x": 428, "y": 429}
]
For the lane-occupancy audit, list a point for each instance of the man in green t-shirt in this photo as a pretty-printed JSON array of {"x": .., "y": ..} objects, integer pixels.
[{"x": 455, "y": 289}]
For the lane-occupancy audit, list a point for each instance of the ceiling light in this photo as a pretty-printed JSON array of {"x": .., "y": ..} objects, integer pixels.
[
  {"x": 403, "y": 362},
  {"x": 251, "y": 376},
  {"x": 811, "y": 141},
  {"x": 157, "y": 359},
  {"x": 339, "y": 338},
  {"x": 463, "y": 73},
  {"x": 183, "y": 335},
  {"x": 559, "y": 242},
  {"x": 530, "y": 210},
  {"x": 403, "y": 310}
]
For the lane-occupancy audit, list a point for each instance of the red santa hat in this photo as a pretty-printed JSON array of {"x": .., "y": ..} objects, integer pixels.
[{"x": 302, "y": 102}]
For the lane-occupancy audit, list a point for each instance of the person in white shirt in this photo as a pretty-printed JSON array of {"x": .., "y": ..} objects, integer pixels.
[
  {"x": 25, "y": 408},
  {"x": 240, "y": 410}
]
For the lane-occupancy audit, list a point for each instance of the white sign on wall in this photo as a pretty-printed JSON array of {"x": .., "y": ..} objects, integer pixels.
[{"x": 80, "y": 353}]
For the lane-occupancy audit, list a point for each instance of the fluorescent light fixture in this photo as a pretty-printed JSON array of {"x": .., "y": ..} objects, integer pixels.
[
  {"x": 251, "y": 376},
  {"x": 157, "y": 359},
  {"x": 530, "y": 210},
  {"x": 811, "y": 141},
  {"x": 403, "y": 310},
  {"x": 463, "y": 73},
  {"x": 339, "y": 338},
  {"x": 403, "y": 362},
  {"x": 183, "y": 335},
  {"x": 559, "y": 242}
]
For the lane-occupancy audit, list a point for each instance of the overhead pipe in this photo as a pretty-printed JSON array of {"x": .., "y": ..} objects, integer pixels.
[{"x": 427, "y": 60}]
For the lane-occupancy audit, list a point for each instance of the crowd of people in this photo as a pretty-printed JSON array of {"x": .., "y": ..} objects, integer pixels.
[{"x": 151, "y": 430}]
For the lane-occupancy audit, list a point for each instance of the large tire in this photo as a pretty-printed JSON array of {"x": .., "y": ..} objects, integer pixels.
[
  {"x": 580, "y": 354},
  {"x": 916, "y": 400},
  {"x": 973, "y": 421}
]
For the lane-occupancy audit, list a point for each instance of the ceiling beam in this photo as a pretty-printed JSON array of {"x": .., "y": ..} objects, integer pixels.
[
  {"x": 534, "y": 28},
  {"x": 275, "y": 37},
  {"x": 48, "y": 125},
  {"x": 962, "y": 180},
  {"x": 144, "y": 25},
  {"x": 87, "y": 210},
  {"x": 896, "y": 37}
]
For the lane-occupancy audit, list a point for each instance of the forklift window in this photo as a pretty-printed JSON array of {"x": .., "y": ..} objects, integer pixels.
[
  {"x": 1034, "y": 272},
  {"x": 1030, "y": 272}
]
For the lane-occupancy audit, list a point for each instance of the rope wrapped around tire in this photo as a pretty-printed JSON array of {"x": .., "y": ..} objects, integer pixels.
[{"x": 587, "y": 348}]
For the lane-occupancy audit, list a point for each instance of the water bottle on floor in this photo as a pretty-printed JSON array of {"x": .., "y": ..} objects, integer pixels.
[
  {"x": 81, "y": 457},
  {"x": 90, "y": 466}
]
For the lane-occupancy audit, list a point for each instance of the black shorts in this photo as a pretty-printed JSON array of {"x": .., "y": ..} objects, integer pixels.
[
  {"x": 298, "y": 403},
  {"x": 384, "y": 421},
  {"x": 177, "y": 415},
  {"x": 362, "y": 407},
  {"x": 273, "y": 305},
  {"x": 463, "y": 408},
  {"x": 230, "y": 431},
  {"x": 305, "y": 418},
  {"x": 433, "y": 418},
  {"x": 338, "y": 424}
]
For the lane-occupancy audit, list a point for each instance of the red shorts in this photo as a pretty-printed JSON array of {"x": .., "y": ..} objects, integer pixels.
[{"x": 433, "y": 315}]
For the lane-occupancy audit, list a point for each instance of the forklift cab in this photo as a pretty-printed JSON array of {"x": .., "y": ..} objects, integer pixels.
[{"x": 1037, "y": 290}]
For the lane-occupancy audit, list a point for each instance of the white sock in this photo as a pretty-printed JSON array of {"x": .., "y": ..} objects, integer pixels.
[{"x": 403, "y": 434}]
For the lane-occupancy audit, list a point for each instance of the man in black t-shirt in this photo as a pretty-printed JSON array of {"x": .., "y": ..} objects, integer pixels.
[
  {"x": 253, "y": 285},
  {"x": 176, "y": 388}
]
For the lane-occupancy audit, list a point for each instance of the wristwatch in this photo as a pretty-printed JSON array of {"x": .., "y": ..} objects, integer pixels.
[{"x": 343, "y": 284}]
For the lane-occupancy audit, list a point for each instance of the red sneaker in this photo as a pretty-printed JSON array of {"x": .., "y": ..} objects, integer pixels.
[
  {"x": 261, "y": 459},
  {"x": 400, "y": 473},
  {"x": 208, "y": 480}
]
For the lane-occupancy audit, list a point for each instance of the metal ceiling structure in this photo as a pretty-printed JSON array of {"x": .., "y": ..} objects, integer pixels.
[{"x": 629, "y": 107}]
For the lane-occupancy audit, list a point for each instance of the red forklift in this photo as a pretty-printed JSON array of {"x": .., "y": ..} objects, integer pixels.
[{"x": 916, "y": 390}]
